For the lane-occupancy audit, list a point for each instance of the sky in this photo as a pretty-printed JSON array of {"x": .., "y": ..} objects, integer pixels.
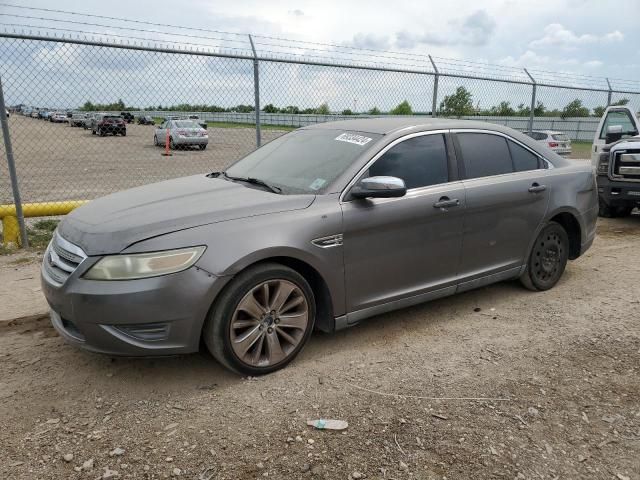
[{"x": 545, "y": 35}]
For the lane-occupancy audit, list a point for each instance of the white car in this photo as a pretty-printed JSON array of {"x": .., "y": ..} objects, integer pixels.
[
  {"x": 559, "y": 142},
  {"x": 182, "y": 133}
]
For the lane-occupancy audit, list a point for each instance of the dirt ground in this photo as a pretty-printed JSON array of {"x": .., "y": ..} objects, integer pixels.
[
  {"x": 497, "y": 383},
  {"x": 56, "y": 162}
]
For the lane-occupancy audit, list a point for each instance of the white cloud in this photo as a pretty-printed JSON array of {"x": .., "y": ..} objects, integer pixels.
[
  {"x": 370, "y": 41},
  {"x": 475, "y": 29},
  {"x": 556, "y": 35},
  {"x": 593, "y": 64}
]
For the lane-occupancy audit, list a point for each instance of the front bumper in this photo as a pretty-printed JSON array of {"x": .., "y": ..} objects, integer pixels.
[
  {"x": 618, "y": 193},
  {"x": 147, "y": 317}
]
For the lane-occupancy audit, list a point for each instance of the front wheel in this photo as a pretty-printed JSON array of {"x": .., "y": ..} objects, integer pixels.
[
  {"x": 548, "y": 258},
  {"x": 262, "y": 320}
]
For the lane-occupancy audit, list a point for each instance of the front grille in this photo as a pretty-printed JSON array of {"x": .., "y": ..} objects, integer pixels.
[
  {"x": 626, "y": 166},
  {"x": 61, "y": 259}
]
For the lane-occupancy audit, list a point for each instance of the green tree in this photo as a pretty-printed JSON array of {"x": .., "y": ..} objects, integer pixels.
[
  {"x": 622, "y": 101},
  {"x": 347, "y": 111},
  {"x": 539, "y": 110},
  {"x": 323, "y": 109},
  {"x": 374, "y": 111},
  {"x": 458, "y": 104},
  {"x": 402, "y": 108},
  {"x": 598, "y": 111},
  {"x": 291, "y": 109},
  {"x": 575, "y": 109},
  {"x": 503, "y": 109},
  {"x": 269, "y": 108}
]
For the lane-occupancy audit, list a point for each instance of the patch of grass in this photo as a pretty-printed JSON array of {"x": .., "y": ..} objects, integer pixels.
[
  {"x": 263, "y": 126},
  {"x": 41, "y": 232},
  {"x": 580, "y": 149}
]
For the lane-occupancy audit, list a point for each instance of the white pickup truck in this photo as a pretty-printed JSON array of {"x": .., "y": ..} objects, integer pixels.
[{"x": 615, "y": 155}]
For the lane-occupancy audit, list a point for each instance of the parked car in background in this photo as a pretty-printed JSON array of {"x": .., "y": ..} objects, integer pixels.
[
  {"x": 77, "y": 119},
  {"x": 88, "y": 120},
  {"x": 182, "y": 133},
  {"x": 105, "y": 124},
  {"x": 57, "y": 117},
  {"x": 196, "y": 119},
  {"x": 145, "y": 120},
  {"x": 559, "y": 142},
  {"x": 34, "y": 114},
  {"x": 616, "y": 158},
  {"x": 320, "y": 228},
  {"x": 127, "y": 116}
]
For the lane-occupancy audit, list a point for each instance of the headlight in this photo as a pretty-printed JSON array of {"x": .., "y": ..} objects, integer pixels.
[{"x": 144, "y": 265}]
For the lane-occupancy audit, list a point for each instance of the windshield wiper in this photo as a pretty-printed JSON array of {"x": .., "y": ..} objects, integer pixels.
[{"x": 254, "y": 181}]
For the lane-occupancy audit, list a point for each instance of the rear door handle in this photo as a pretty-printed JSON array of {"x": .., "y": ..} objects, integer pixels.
[
  {"x": 446, "y": 202},
  {"x": 536, "y": 188}
]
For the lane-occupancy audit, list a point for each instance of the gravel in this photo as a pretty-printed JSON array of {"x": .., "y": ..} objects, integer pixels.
[{"x": 547, "y": 389}]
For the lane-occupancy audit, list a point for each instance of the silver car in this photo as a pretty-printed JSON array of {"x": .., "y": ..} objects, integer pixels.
[
  {"x": 559, "y": 142},
  {"x": 319, "y": 229},
  {"x": 181, "y": 133}
]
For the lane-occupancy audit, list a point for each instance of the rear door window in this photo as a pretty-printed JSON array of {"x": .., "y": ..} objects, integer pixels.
[
  {"x": 419, "y": 161},
  {"x": 484, "y": 155}
]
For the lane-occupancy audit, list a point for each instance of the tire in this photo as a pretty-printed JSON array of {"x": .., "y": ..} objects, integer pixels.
[
  {"x": 171, "y": 144},
  {"x": 155, "y": 141},
  {"x": 93, "y": 132},
  {"x": 263, "y": 328},
  {"x": 548, "y": 258},
  {"x": 124, "y": 134},
  {"x": 604, "y": 210},
  {"x": 202, "y": 147},
  {"x": 101, "y": 132},
  {"x": 623, "y": 211}
]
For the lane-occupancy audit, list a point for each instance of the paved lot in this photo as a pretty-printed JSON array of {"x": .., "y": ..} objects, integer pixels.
[
  {"x": 57, "y": 162},
  {"x": 557, "y": 372}
]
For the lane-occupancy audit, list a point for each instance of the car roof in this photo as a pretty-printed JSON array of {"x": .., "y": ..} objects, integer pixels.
[
  {"x": 394, "y": 124},
  {"x": 394, "y": 127}
]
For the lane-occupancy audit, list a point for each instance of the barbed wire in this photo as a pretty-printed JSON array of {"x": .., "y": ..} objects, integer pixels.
[{"x": 292, "y": 49}]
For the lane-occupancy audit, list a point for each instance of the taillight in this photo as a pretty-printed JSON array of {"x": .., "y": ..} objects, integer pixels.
[{"x": 553, "y": 144}]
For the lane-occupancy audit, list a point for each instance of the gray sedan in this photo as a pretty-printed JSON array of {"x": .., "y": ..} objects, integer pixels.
[
  {"x": 181, "y": 133},
  {"x": 318, "y": 229}
]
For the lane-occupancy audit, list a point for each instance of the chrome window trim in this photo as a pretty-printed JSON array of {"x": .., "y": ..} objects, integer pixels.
[
  {"x": 549, "y": 165},
  {"x": 357, "y": 176}
]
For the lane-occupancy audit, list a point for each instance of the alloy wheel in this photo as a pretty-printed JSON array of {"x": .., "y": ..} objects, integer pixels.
[{"x": 269, "y": 323}]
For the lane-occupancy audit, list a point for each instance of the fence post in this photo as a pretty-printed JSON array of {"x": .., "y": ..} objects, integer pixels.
[
  {"x": 434, "y": 104},
  {"x": 609, "y": 93},
  {"x": 256, "y": 91},
  {"x": 533, "y": 99},
  {"x": 12, "y": 170}
]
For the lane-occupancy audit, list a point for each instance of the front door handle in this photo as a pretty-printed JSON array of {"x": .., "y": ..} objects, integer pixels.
[
  {"x": 446, "y": 202},
  {"x": 537, "y": 188}
]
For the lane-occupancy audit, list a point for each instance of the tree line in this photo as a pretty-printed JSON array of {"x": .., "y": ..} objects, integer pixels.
[{"x": 458, "y": 104}]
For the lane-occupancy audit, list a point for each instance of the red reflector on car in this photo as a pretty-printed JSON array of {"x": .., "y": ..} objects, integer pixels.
[{"x": 553, "y": 144}]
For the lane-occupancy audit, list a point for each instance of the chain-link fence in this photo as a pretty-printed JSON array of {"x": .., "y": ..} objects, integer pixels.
[{"x": 63, "y": 95}]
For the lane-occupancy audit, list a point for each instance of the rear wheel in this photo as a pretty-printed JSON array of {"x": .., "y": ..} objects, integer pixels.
[
  {"x": 172, "y": 145},
  {"x": 548, "y": 258},
  {"x": 262, "y": 320},
  {"x": 202, "y": 147},
  {"x": 155, "y": 141}
]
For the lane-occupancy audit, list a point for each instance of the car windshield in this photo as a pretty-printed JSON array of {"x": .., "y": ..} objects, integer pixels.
[
  {"x": 560, "y": 136},
  {"x": 304, "y": 161},
  {"x": 185, "y": 124}
]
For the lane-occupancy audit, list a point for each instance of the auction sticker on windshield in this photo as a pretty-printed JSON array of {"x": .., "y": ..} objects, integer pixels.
[{"x": 353, "y": 138}]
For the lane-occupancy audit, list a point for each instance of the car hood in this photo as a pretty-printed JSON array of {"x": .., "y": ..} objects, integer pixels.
[{"x": 110, "y": 224}]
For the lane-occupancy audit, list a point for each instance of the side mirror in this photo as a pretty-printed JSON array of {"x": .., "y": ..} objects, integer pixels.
[
  {"x": 379, "y": 187},
  {"x": 614, "y": 133}
]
